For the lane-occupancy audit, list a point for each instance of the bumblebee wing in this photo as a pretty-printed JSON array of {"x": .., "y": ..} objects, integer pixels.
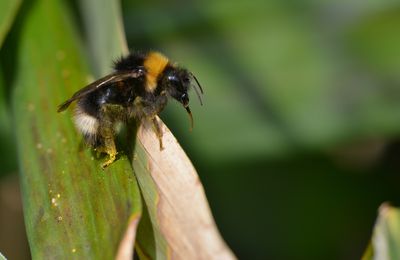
[{"x": 105, "y": 81}]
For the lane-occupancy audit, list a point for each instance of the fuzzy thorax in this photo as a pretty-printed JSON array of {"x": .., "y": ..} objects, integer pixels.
[{"x": 154, "y": 64}]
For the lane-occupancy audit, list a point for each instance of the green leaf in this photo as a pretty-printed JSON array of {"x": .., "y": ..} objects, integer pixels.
[
  {"x": 2, "y": 257},
  {"x": 385, "y": 242},
  {"x": 8, "y": 159},
  {"x": 71, "y": 206},
  {"x": 8, "y": 11}
]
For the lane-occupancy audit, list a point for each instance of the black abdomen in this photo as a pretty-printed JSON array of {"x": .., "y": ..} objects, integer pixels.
[{"x": 118, "y": 93}]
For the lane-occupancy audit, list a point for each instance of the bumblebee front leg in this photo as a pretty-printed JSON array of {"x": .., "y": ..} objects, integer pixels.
[
  {"x": 149, "y": 111},
  {"x": 158, "y": 131}
]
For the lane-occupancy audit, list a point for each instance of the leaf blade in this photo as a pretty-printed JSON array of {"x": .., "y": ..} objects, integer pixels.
[
  {"x": 178, "y": 209},
  {"x": 71, "y": 206},
  {"x": 385, "y": 242},
  {"x": 8, "y": 11}
]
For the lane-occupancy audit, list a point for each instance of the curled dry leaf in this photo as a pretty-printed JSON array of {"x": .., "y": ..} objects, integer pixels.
[
  {"x": 385, "y": 241},
  {"x": 182, "y": 222},
  {"x": 125, "y": 249}
]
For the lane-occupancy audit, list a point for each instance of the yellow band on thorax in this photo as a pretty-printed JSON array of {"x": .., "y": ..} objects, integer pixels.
[{"x": 154, "y": 64}]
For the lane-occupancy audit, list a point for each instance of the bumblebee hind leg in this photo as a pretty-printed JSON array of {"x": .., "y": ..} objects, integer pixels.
[
  {"x": 109, "y": 148},
  {"x": 106, "y": 145},
  {"x": 109, "y": 114}
]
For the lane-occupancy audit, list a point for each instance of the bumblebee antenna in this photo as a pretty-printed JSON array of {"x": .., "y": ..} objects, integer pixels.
[
  {"x": 197, "y": 91},
  {"x": 190, "y": 116}
]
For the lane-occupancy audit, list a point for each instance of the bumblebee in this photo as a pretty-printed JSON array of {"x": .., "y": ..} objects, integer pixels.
[{"x": 139, "y": 89}]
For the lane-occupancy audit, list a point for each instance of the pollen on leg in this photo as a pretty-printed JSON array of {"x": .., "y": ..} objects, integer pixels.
[
  {"x": 110, "y": 149},
  {"x": 111, "y": 159},
  {"x": 111, "y": 152}
]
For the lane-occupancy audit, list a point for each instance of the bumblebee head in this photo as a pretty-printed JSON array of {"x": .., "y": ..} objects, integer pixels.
[{"x": 178, "y": 83}]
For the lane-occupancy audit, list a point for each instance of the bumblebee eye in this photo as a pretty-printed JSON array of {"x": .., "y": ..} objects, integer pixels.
[
  {"x": 173, "y": 79},
  {"x": 141, "y": 71}
]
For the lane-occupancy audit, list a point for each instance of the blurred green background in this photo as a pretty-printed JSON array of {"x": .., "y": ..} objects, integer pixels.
[{"x": 298, "y": 141}]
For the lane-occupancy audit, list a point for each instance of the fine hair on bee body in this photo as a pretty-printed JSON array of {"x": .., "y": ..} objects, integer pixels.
[{"x": 138, "y": 89}]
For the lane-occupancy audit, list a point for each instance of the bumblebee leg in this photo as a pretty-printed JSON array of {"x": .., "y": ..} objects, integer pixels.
[
  {"x": 158, "y": 131},
  {"x": 108, "y": 115},
  {"x": 149, "y": 111},
  {"x": 109, "y": 148},
  {"x": 108, "y": 145}
]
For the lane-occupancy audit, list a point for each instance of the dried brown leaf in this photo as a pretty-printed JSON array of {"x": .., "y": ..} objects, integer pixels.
[{"x": 182, "y": 221}]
